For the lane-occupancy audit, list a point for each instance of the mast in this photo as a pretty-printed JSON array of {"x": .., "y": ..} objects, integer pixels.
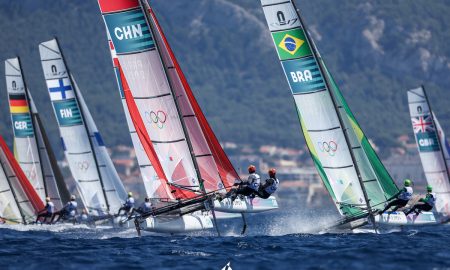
[
  {"x": 441, "y": 149},
  {"x": 60, "y": 183},
  {"x": 33, "y": 124},
  {"x": 85, "y": 125},
  {"x": 333, "y": 98},
  {"x": 180, "y": 115}
]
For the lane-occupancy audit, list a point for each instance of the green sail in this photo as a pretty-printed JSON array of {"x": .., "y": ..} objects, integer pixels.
[{"x": 378, "y": 183}]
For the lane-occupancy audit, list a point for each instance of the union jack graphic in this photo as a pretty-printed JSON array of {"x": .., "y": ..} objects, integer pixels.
[{"x": 422, "y": 124}]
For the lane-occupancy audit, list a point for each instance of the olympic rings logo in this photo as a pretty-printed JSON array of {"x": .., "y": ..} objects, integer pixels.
[
  {"x": 330, "y": 147},
  {"x": 82, "y": 165},
  {"x": 157, "y": 118}
]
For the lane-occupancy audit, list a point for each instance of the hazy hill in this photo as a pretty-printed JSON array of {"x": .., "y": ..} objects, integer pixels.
[{"x": 375, "y": 49}]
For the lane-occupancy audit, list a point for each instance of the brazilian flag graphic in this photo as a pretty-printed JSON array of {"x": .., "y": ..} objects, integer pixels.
[{"x": 291, "y": 44}]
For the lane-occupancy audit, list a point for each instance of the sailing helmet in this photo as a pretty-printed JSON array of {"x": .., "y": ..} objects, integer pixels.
[
  {"x": 47, "y": 199},
  {"x": 429, "y": 188},
  {"x": 252, "y": 169},
  {"x": 73, "y": 198},
  {"x": 272, "y": 172},
  {"x": 130, "y": 194},
  {"x": 408, "y": 183}
]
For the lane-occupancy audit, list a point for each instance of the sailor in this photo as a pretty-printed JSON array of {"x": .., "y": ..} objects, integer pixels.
[
  {"x": 270, "y": 185},
  {"x": 425, "y": 204},
  {"x": 145, "y": 207},
  {"x": 128, "y": 205},
  {"x": 68, "y": 211},
  {"x": 84, "y": 217},
  {"x": 47, "y": 212},
  {"x": 249, "y": 187},
  {"x": 400, "y": 199}
]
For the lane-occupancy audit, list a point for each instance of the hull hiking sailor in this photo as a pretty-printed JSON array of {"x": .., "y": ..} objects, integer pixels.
[
  {"x": 68, "y": 212},
  {"x": 248, "y": 187},
  {"x": 47, "y": 212},
  {"x": 128, "y": 206},
  {"x": 145, "y": 207},
  {"x": 425, "y": 204},
  {"x": 400, "y": 199},
  {"x": 270, "y": 185}
]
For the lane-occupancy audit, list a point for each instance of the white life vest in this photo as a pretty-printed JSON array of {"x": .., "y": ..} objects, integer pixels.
[
  {"x": 273, "y": 187},
  {"x": 254, "y": 181},
  {"x": 146, "y": 206},
  {"x": 431, "y": 201},
  {"x": 50, "y": 207},
  {"x": 130, "y": 202},
  {"x": 72, "y": 208},
  {"x": 406, "y": 194}
]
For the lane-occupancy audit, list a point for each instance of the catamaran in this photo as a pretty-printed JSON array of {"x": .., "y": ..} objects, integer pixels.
[
  {"x": 350, "y": 169},
  {"x": 19, "y": 201},
  {"x": 98, "y": 183},
  {"x": 179, "y": 155},
  {"x": 433, "y": 148},
  {"x": 32, "y": 148}
]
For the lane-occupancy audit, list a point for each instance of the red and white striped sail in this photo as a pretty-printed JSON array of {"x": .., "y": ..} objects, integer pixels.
[
  {"x": 216, "y": 171},
  {"x": 150, "y": 98},
  {"x": 215, "y": 167}
]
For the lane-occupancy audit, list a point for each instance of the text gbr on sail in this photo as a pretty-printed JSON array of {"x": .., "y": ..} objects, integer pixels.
[{"x": 426, "y": 142}]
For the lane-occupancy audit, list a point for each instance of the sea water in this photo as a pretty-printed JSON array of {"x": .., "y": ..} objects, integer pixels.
[{"x": 273, "y": 241}]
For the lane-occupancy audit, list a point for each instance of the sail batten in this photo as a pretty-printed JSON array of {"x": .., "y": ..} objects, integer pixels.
[
  {"x": 334, "y": 139},
  {"x": 31, "y": 151},
  {"x": 430, "y": 140},
  {"x": 84, "y": 153}
]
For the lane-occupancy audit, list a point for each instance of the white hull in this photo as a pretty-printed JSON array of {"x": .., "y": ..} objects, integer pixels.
[
  {"x": 400, "y": 219},
  {"x": 177, "y": 224},
  {"x": 246, "y": 205}
]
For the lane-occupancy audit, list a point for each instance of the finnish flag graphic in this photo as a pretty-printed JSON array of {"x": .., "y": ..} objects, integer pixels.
[{"x": 60, "y": 89}]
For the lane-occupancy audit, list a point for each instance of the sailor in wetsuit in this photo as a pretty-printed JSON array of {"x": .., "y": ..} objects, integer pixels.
[
  {"x": 68, "y": 212},
  {"x": 128, "y": 205},
  {"x": 425, "y": 204},
  {"x": 270, "y": 185},
  {"x": 145, "y": 207},
  {"x": 47, "y": 212},
  {"x": 249, "y": 187},
  {"x": 401, "y": 199}
]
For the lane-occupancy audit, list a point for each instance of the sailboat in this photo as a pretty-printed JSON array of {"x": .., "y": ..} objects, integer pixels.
[
  {"x": 179, "y": 156},
  {"x": 19, "y": 201},
  {"x": 32, "y": 148},
  {"x": 350, "y": 169},
  {"x": 433, "y": 148},
  {"x": 98, "y": 183}
]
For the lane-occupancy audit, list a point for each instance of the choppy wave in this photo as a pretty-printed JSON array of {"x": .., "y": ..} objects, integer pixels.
[{"x": 272, "y": 242}]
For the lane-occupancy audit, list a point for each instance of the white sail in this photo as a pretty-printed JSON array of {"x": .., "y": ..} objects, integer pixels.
[
  {"x": 319, "y": 118},
  {"x": 74, "y": 136},
  {"x": 114, "y": 189},
  {"x": 148, "y": 173},
  {"x": 431, "y": 153},
  {"x": 25, "y": 145}
]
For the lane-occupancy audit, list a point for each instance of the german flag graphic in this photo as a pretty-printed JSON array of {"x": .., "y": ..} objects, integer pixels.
[{"x": 18, "y": 103}]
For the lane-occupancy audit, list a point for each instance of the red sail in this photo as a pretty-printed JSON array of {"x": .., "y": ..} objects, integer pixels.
[
  {"x": 147, "y": 144},
  {"x": 226, "y": 170},
  {"x": 31, "y": 194}
]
